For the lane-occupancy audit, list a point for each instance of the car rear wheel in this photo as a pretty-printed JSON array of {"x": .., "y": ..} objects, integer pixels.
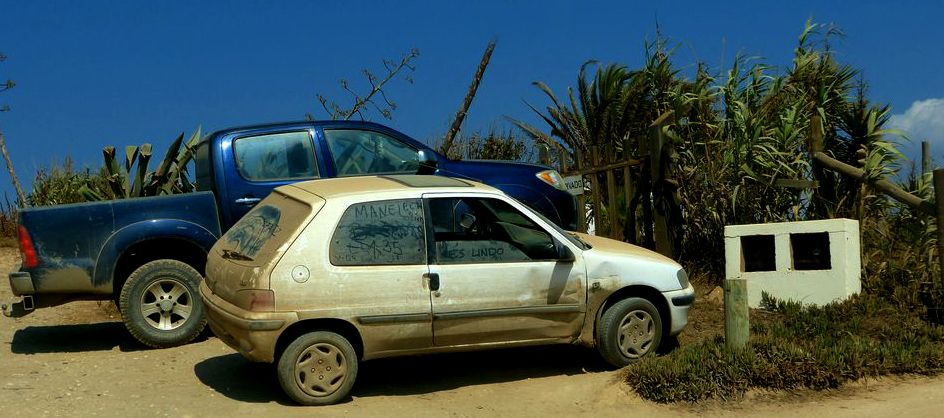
[
  {"x": 318, "y": 368},
  {"x": 628, "y": 331},
  {"x": 160, "y": 304}
]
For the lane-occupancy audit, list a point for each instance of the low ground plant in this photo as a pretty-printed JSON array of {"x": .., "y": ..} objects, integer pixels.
[{"x": 795, "y": 347}]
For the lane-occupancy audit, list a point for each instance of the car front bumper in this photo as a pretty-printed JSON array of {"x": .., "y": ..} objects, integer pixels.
[
  {"x": 252, "y": 334},
  {"x": 679, "y": 303}
]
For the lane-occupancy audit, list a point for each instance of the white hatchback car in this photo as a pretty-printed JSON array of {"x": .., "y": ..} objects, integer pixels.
[{"x": 326, "y": 273}]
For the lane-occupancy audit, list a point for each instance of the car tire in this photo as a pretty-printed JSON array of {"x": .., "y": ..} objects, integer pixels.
[
  {"x": 160, "y": 304},
  {"x": 318, "y": 368},
  {"x": 628, "y": 331}
]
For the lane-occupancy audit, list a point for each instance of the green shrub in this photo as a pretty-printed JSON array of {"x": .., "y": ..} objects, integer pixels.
[
  {"x": 801, "y": 347},
  {"x": 62, "y": 184}
]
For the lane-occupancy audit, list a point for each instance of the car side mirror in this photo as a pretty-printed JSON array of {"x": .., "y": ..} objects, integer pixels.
[
  {"x": 565, "y": 254},
  {"x": 428, "y": 162}
]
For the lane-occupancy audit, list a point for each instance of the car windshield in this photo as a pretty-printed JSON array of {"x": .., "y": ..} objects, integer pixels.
[{"x": 573, "y": 238}]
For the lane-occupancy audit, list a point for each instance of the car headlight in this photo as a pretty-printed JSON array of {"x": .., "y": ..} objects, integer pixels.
[
  {"x": 682, "y": 278},
  {"x": 553, "y": 178}
]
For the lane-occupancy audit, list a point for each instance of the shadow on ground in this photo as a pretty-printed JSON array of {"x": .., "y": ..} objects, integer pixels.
[
  {"x": 102, "y": 336},
  {"x": 237, "y": 378}
]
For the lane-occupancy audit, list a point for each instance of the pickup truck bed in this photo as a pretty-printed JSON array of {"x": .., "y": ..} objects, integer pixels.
[{"x": 78, "y": 251}]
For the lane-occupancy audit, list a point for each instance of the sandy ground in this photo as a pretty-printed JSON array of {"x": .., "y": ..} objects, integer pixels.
[{"x": 77, "y": 360}]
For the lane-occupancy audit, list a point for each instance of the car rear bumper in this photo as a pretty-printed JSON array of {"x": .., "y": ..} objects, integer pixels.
[
  {"x": 252, "y": 334},
  {"x": 21, "y": 283}
]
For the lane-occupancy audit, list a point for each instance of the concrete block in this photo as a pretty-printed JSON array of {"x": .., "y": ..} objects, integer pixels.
[{"x": 814, "y": 262}]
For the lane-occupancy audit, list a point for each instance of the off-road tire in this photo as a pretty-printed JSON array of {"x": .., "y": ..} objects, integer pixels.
[
  {"x": 160, "y": 304},
  {"x": 318, "y": 368},
  {"x": 629, "y": 330}
]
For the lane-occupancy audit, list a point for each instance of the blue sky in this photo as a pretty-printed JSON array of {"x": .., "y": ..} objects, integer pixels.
[{"x": 98, "y": 73}]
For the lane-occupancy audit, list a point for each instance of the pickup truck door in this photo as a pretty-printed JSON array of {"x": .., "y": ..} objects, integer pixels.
[
  {"x": 496, "y": 275},
  {"x": 256, "y": 162}
]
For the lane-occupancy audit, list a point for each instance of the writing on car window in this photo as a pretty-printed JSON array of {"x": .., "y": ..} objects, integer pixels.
[{"x": 380, "y": 233}]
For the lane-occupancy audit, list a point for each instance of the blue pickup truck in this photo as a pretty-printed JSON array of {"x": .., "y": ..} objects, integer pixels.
[{"x": 148, "y": 254}]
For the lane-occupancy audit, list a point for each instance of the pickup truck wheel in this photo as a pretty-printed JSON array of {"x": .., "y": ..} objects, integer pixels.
[
  {"x": 318, "y": 368},
  {"x": 160, "y": 304},
  {"x": 629, "y": 330}
]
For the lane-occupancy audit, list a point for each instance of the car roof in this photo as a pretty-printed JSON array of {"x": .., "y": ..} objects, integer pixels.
[{"x": 367, "y": 185}]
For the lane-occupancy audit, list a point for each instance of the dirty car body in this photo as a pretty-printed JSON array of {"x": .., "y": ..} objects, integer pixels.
[{"x": 401, "y": 265}]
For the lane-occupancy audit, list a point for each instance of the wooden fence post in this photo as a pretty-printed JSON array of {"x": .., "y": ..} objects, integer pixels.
[
  {"x": 939, "y": 206},
  {"x": 582, "y": 198},
  {"x": 629, "y": 226},
  {"x": 925, "y": 157},
  {"x": 598, "y": 224},
  {"x": 737, "y": 325},
  {"x": 614, "y": 229},
  {"x": 656, "y": 176}
]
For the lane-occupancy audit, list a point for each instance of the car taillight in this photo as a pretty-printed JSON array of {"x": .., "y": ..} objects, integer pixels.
[{"x": 30, "y": 259}]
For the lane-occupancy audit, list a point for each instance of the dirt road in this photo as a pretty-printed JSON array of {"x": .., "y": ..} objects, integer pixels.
[{"x": 77, "y": 360}]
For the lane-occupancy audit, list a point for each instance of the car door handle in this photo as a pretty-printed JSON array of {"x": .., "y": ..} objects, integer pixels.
[
  {"x": 432, "y": 279},
  {"x": 249, "y": 201}
]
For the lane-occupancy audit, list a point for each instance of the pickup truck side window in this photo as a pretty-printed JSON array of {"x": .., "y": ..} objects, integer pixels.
[
  {"x": 386, "y": 232},
  {"x": 480, "y": 230},
  {"x": 280, "y": 156},
  {"x": 359, "y": 152}
]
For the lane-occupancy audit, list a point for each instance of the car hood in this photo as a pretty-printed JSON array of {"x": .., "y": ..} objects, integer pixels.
[
  {"x": 628, "y": 263},
  {"x": 484, "y": 169}
]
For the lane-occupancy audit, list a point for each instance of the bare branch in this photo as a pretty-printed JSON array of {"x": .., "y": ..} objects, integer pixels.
[{"x": 363, "y": 102}]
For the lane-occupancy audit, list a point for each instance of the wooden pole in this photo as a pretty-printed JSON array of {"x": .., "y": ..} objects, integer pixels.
[
  {"x": 16, "y": 182},
  {"x": 925, "y": 157},
  {"x": 737, "y": 324},
  {"x": 629, "y": 227},
  {"x": 450, "y": 137},
  {"x": 598, "y": 225},
  {"x": 614, "y": 229},
  {"x": 582, "y": 198},
  {"x": 939, "y": 206},
  {"x": 656, "y": 177},
  {"x": 882, "y": 185}
]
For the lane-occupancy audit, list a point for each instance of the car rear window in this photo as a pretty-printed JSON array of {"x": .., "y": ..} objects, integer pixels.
[{"x": 256, "y": 238}]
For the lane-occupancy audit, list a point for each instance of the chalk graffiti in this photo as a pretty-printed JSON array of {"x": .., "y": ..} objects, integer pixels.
[{"x": 387, "y": 232}]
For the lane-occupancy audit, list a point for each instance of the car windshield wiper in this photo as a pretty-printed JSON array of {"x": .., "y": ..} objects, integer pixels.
[{"x": 235, "y": 255}]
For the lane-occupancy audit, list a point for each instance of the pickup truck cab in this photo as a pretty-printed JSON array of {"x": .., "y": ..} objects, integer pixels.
[
  {"x": 149, "y": 254},
  {"x": 324, "y": 274}
]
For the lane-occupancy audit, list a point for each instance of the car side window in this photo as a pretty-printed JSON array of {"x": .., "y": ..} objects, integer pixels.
[
  {"x": 387, "y": 232},
  {"x": 281, "y": 156},
  {"x": 482, "y": 230},
  {"x": 359, "y": 152}
]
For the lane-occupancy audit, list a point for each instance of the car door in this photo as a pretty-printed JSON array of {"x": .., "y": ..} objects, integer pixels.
[
  {"x": 499, "y": 273},
  {"x": 378, "y": 265},
  {"x": 264, "y": 161}
]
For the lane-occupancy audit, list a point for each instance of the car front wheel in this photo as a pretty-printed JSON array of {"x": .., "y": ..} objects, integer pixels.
[{"x": 628, "y": 331}]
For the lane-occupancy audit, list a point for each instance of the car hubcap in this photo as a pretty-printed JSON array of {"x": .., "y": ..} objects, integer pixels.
[
  {"x": 166, "y": 304},
  {"x": 636, "y": 333},
  {"x": 320, "y": 369}
]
